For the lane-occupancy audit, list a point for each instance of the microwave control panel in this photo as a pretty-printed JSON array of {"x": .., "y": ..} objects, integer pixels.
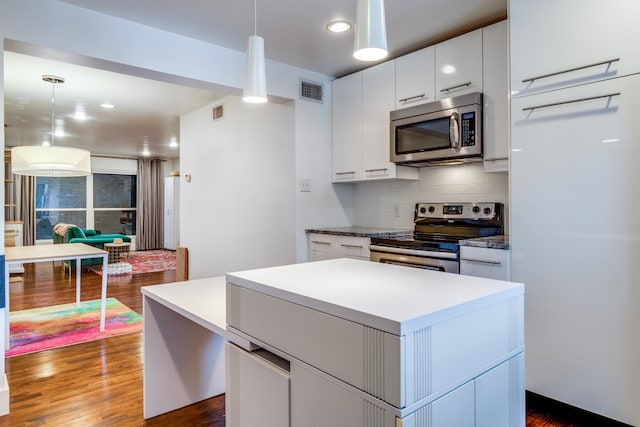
[{"x": 468, "y": 129}]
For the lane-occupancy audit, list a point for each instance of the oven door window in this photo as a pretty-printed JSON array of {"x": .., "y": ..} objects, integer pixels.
[{"x": 426, "y": 135}]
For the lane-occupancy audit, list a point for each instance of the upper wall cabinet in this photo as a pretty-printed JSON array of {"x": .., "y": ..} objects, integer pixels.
[
  {"x": 495, "y": 82},
  {"x": 459, "y": 65},
  {"x": 415, "y": 78},
  {"x": 361, "y": 104},
  {"x": 555, "y": 51},
  {"x": 346, "y": 128}
]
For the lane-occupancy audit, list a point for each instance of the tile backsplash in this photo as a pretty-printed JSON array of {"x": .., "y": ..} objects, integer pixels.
[{"x": 391, "y": 204}]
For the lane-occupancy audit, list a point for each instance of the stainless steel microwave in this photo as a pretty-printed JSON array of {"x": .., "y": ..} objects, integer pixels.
[{"x": 447, "y": 131}]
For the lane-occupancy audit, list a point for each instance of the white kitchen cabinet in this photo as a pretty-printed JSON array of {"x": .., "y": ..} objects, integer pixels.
[
  {"x": 415, "y": 78},
  {"x": 495, "y": 71},
  {"x": 499, "y": 395},
  {"x": 484, "y": 262},
  {"x": 557, "y": 38},
  {"x": 360, "y": 129},
  {"x": 449, "y": 362},
  {"x": 259, "y": 383},
  {"x": 329, "y": 246},
  {"x": 378, "y": 100},
  {"x": 346, "y": 128},
  {"x": 575, "y": 218},
  {"x": 459, "y": 65}
]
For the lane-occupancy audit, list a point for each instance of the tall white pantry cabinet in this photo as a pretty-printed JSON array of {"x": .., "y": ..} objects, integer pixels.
[
  {"x": 575, "y": 205},
  {"x": 171, "y": 212}
]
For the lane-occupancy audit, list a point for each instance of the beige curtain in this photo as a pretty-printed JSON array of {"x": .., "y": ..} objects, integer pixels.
[
  {"x": 25, "y": 207},
  {"x": 150, "y": 205}
]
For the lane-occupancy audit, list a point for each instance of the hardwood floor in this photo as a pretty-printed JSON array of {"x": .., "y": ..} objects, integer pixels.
[{"x": 100, "y": 383}]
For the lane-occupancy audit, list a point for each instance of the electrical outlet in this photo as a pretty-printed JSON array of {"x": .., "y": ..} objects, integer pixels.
[{"x": 305, "y": 186}]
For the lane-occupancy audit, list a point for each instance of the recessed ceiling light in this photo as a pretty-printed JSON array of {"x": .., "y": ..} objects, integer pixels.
[
  {"x": 107, "y": 105},
  {"x": 339, "y": 26}
]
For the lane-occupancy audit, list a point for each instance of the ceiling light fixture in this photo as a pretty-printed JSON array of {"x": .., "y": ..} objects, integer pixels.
[
  {"x": 255, "y": 88},
  {"x": 50, "y": 160},
  {"x": 107, "y": 105},
  {"x": 339, "y": 26},
  {"x": 371, "y": 32}
]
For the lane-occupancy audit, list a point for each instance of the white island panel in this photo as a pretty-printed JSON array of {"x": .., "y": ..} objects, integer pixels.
[{"x": 396, "y": 337}]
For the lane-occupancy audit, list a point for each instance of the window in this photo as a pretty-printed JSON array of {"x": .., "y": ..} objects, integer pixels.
[
  {"x": 113, "y": 200},
  {"x": 114, "y": 203},
  {"x": 60, "y": 200}
]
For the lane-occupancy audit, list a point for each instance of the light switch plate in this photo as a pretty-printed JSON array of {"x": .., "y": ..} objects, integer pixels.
[{"x": 305, "y": 185}]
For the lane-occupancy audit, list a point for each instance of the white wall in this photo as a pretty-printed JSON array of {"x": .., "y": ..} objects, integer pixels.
[
  {"x": 65, "y": 32},
  {"x": 238, "y": 211},
  {"x": 391, "y": 204}
]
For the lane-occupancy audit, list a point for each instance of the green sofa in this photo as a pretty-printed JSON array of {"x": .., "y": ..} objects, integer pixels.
[{"x": 90, "y": 237}]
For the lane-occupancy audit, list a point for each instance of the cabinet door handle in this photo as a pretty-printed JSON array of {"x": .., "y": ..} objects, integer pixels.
[
  {"x": 571, "y": 101},
  {"x": 557, "y": 73},
  {"x": 320, "y": 242},
  {"x": 346, "y": 173},
  {"x": 481, "y": 261},
  {"x": 447, "y": 89},
  {"x": 411, "y": 98},
  {"x": 344, "y": 245},
  {"x": 376, "y": 170}
]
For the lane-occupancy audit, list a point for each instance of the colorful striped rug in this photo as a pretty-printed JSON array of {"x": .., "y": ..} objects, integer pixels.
[{"x": 45, "y": 328}]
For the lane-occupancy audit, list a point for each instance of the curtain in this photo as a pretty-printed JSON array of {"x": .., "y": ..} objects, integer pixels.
[
  {"x": 25, "y": 207},
  {"x": 150, "y": 205}
]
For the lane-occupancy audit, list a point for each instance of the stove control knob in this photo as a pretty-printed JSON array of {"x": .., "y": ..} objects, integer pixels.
[
  {"x": 476, "y": 209},
  {"x": 432, "y": 209},
  {"x": 486, "y": 211},
  {"x": 423, "y": 209}
]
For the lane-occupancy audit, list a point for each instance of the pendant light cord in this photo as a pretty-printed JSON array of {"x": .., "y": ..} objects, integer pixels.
[
  {"x": 255, "y": 17},
  {"x": 53, "y": 117}
]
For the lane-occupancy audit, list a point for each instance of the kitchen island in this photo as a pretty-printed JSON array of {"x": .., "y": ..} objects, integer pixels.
[{"x": 346, "y": 342}]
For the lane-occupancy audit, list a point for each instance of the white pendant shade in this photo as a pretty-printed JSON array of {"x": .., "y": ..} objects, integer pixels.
[
  {"x": 371, "y": 32},
  {"x": 50, "y": 161},
  {"x": 255, "y": 88}
]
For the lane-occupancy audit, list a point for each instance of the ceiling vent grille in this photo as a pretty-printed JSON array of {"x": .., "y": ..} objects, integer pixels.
[
  {"x": 311, "y": 90},
  {"x": 218, "y": 112}
]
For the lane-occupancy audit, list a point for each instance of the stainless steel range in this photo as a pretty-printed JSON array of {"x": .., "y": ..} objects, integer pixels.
[{"x": 438, "y": 229}]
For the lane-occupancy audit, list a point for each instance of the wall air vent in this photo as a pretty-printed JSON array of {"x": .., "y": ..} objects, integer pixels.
[
  {"x": 218, "y": 112},
  {"x": 311, "y": 90}
]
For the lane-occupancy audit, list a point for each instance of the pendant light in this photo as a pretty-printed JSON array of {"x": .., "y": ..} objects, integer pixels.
[
  {"x": 371, "y": 32},
  {"x": 50, "y": 160},
  {"x": 255, "y": 88}
]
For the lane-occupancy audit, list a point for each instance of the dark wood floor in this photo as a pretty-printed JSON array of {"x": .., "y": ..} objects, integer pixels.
[
  {"x": 92, "y": 384},
  {"x": 100, "y": 383}
]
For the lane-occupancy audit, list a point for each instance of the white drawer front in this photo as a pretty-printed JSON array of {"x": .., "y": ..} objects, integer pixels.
[
  {"x": 484, "y": 262},
  {"x": 366, "y": 358}
]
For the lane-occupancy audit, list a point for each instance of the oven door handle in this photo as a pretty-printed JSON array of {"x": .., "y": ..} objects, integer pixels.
[
  {"x": 415, "y": 252},
  {"x": 424, "y": 266}
]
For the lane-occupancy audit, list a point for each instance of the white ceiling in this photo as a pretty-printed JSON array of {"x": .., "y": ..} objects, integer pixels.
[{"x": 147, "y": 110}]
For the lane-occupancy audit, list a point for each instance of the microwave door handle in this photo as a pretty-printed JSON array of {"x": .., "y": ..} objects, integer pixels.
[{"x": 454, "y": 131}]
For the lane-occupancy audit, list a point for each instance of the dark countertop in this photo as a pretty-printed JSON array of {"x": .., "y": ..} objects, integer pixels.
[
  {"x": 492, "y": 242},
  {"x": 360, "y": 231}
]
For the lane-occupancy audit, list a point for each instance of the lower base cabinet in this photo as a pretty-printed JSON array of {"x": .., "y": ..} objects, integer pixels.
[
  {"x": 485, "y": 262},
  {"x": 328, "y": 246},
  {"x": 257, "y": 391},
  {"x": 265, "y": 390}
]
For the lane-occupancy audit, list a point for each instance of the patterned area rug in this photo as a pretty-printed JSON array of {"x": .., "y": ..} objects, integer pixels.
[
  {"x": 144, "y": 262},
  {"x": 45, "y": 328}
]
